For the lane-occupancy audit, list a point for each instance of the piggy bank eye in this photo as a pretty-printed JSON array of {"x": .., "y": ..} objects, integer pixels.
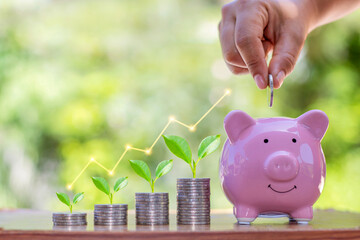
[
  {"x": 266, "y": 140},
  {"x": 294, "y": 140}
]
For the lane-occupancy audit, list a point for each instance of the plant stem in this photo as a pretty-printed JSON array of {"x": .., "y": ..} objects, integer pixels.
[
  {"x": 111, "y": 198},
  {"x": 70, "y": 208},
  {"x": 194, "y": 168},
  {"x": 152, "y": 185}
]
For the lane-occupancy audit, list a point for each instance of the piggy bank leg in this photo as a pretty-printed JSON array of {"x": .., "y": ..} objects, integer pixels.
[
  {"x": 302, "y": 215},
  {"x": 244, "y": 214}
]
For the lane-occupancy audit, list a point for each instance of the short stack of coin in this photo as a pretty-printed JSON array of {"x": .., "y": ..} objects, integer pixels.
[
  {"x": 193, "y": 201},
  {"x": 110, "y": 214},
  {"x": 69, "y": 219},
  {"x": 152, "y": 208}
]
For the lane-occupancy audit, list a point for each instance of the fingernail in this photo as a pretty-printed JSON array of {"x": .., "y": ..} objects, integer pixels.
[
  {"x": 280, "y": 77},
  {"x": 260, "y": 82}
]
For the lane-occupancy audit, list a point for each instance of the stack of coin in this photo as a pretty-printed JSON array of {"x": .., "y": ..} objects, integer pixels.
[
  {"x": 193, "y": 201},
  {"x": 152, "y": 208},
  {"x": 69, "y": 219},
  {"x": 110, "y": 214}
]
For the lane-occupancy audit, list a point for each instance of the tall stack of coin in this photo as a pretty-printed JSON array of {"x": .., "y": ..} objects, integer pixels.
[
  {"x": 152, "y": 208},
  {"x": 193, "y": 200},
  {"x": 69, "y": 219},
  {"x": 110, "y": 214}
]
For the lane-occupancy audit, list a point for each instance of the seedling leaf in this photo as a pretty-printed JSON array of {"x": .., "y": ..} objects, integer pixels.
[
  {"x": 179, "y": 147},
  {"x": 101, "y": 184},
  {"x": 78, "y": 197},
  {"x": 141, "y": 168},
  {"x": 163, "y": 168},
  {"x": 64, "y": 198},
  {"x": 120, "y": 183},
  {"x": 208, "y": 146}
]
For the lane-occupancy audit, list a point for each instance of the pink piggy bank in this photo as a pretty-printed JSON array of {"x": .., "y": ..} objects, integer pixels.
[{"x": 273, "y": 166}]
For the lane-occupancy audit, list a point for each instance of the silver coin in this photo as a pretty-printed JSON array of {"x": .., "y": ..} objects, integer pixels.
[
  {"x": 110, "y": 213},
  {"x": 197, "y": 199},
  {"x": 194, "y": 223},
  {"x": 138, "y": 203},
  {"x": 110, "y": 210},
  {"x": 70, "y": 223},
  {"x": 165, "y": 218},
  {"x": 74, "y": 219},
  {"x": 154, "y": 201},
  {"x": 109, "y": 221},
  {"x": 162, "y": 222},
  {"x": 193, "y": 190},
  {"x": 151, "y": 200},
  {"x": 204, "y": 193},
  {"x": 270, "y": 95},
  {"x": 193, "y": 209},
  {"x": 193, "y": 180},
  {"x": 151, "y": 194},
  {"x": 112, "y": 217},
  {"x": 152, "y": 215},
  {"x": 77, "y": 216},
  {"x": 193, "y": 184},
  {"x": 193, "y": 215},
  {"x": 69, "y": 219},
  {"x": 159, "y": 211},
  {"x": 152, "y": 207},
  {"x": 193, "y": 197},
  {"x": 193, "y": 203},
  {"x": 69, "y": 214},
  {"x": 185, "y": 200},
  {"x": 110, "y": 224}
]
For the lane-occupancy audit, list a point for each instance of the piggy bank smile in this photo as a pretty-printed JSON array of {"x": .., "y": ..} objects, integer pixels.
[
  {"x": 273, "y": 165},
  {"x": 293, "y": 188}
]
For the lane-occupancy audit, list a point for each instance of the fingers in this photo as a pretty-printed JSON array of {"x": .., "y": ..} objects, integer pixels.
[
  {"x": 285, "y": 55},
  {"x": 237, "y": 70},
  {"x": 248, "y": 35},
  {"x": 227, "y": 40}
]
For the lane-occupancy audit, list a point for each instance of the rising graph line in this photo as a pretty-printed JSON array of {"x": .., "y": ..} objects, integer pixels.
[{"x": 148, "y": 150}]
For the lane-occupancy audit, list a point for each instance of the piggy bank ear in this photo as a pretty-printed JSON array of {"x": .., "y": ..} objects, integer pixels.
[
  {"x": 236, "y": 122},
  {"x": 316, "y": 121}
]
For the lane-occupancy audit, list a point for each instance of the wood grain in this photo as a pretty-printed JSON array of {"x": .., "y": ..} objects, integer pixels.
[{"x": 327, "y": 224}]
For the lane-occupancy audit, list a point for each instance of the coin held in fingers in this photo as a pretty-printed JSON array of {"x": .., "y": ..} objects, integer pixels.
[{"x": 270, "y": 91}]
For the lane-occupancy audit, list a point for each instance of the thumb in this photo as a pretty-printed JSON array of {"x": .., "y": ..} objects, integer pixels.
[{"x": 285, "y": 55}]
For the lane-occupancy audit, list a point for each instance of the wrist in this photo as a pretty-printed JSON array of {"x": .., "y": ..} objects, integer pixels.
[{"x": 309, "y": 9}]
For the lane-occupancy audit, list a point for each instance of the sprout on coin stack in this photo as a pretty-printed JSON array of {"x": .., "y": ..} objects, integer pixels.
[
  {"x": 152, "y": 208},
  {"x": 69, "y": 219},
  {"x": 110, "y": 214},
  {"x": 193, "y": 194}
]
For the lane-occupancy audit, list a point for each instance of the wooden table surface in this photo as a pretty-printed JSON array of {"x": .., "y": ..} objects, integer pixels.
[{"x": 327, "y": 224}]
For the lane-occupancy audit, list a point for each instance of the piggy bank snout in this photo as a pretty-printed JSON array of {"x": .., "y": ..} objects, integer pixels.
[{"x": 281, "y": 166}]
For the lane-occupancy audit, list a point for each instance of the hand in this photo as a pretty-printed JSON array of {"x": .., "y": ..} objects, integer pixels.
[{"x": 250, "y": 29}]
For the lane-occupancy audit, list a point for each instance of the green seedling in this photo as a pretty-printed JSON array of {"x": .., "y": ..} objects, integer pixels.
[
  {"x": 64, "y": 198},
  {"x": 103, "y": 186},
  {"x": 143, "y": 170},
  {"x": 180, "y": 148}
]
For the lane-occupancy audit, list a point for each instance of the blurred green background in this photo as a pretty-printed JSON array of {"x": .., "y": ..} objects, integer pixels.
[{"x": 84, "y": 78}]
